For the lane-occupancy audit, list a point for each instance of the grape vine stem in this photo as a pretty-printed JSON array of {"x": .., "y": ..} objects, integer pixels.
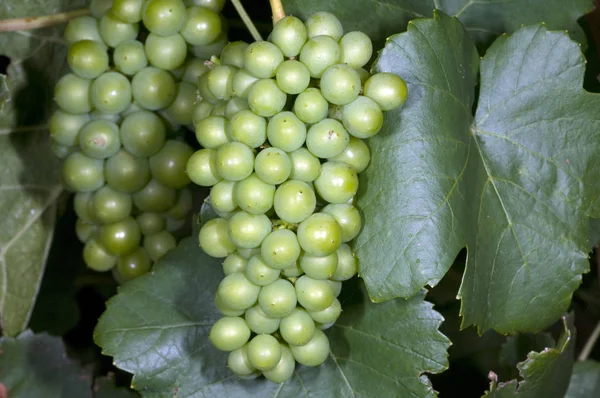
[
  {"x": 589, "y": 344},
  {"x": 277, "y": 9},
  {"x": 247, "y": 20},
  {"x": 30, "y": 23}
]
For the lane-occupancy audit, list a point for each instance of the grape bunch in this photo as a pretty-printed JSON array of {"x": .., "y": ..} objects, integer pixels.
[
  {"x": 134, "y": 69},
  {"x": 282, "y": 125}
]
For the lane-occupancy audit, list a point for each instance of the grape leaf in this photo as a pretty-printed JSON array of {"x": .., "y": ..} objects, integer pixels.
[
  {"x": 594, "y": 232},
  {"x": 483, "y": 19},
  {"x": 545, "y": 374},
  {"x": 157, "y": 328},
  {"x": 516, "y": 185},
  {"x": 29, "y": 180},
  {"x": 585, "y": 380},
  {"x": 36, "y": 365}
]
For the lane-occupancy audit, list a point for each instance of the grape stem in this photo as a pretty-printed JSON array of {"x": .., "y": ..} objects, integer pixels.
[
  {"x": 589, "y": 344},
  {"x": 30, "y": 23},
  {"x": 277, "y": 9},
  {"x": 247, "y": 20}
]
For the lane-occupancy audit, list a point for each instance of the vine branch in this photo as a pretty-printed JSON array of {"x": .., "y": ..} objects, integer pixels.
[
  {"x": 277, "y": 9},
  {"x": 589, "y": 344},
  {"x": 247, "y": 20},
  {"x": 30, "y": 23}
]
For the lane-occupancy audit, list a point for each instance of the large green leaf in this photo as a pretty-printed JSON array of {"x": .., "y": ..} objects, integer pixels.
[
  {"x": 157, "y": 328},
  {"x": 29, "y": 182},
  {"x": 34, "y": 366},
  {"x": 545, "y": 374},
  {"x": 516, "y": 185},
  {"x": 585, "y": 380},
  {"x": 483, "y": 19}
]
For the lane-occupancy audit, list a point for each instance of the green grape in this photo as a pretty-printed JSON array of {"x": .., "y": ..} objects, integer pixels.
[
  {"x": 153, "y": 88},
  {"x": 357, "y": 49},
  {"x": 248, "y": 230},
  {"x": 202, "y": 26},
  {"x": 134, "y": 264},
  {"x": 237, "y": 292},
  {"x": 253, "y": 195},
  {"x": 272, "y": 165},
  {"x": 202, "y": 168},
  {"x": 143, "y": 133},
  {"x": 168, "y": 166},
  {"x": 305, "y": 165},
  {"x": 215, "y": 5},
  {"x": 126, "y": 172},
  {"x": 154, "y": 197},
  {"x": 264, "y": 352},
  {"x": 229, "y": 333},
  {"x": 108, "y": 117},
  {"x": 319, "y": 267},
  {"x": 234, "y": 263},
  {"x": 238, "y": 362},
  {"x": 277, "y": 299},
  {"x": 348, "y": 217},
  {"x": 362, "y": 117},
  {"x": 292, "y": 77},
  {"x": 214, "y": 241},
  {"x": 87, "y": 58},
  {"x": 235, "y": 105},
  {"x": 294, "y": 201},
  {"x": 248, "y": 128},
  {"x": 286, "y": 132},
  {"x": 111, "y": 93},
  {"x": 265, "y": 98},
  {"x": 242, "y": 82},
  {"x": 211, "y": 131},
  {"x": 356, "y": 155},
  {"x": 219, "y": 110},
  {"x": 194, "y": 68},
  {"x": 82, "y": 204},
  {"x": 164, "y": 17},
  {"x": 389, "y": 91},
  {"x": 165, "y": 52},
  {"x": 121, "y": 237},
  {"x": 82, "y": 173},
  {"x": 262, "y": 58},
  {"x": 327, "y": 138},
  {"x": 181, "y": 111},
  {"x": 289, "y": 34},
  {"x": 336, "y": 286},
  {"x": 100, "y": 7},
  {"x": 313, "y": 353},
  {"x": 61, "y": 151},
  {"x": 151, "y": 223},
  {"x": 223, "y": 309},
  {"x": 337, "y": 182},
  {"x": 319, "y": 235},
  {"x": 202, "y": 110},
  {"x": 324, "y": 23},
  {"x": 297, "y": 328},
  {"x": 347, "y": 264},
  {"x": 183, "y": 205},
  {"x": 84, "y": 230},
  {"x": 110, "y": 206},
  {"x": 99, "y": 139},
  {"x": 207, "y": 51},
  {"x": 280, "y": 249},
  {"x": 220, "y": 81},
  {"x": 314, "y": 294},
  {"x": 284, "y": 369},
  {"x": 128, "y": 10},
  {"x": 72, "y": 94},
  {"x": 64, "y": 127},
  {"x": 83, "y": 28},
  {"x": 329, "y": 314},
  {"x": 222, "y": 198},
  {"x": 259, "y": 273},
  {"x": 114, "y": 31},
  {"x": 97, "y": 257},
  {"x": 159, "y": 244},
  {"x": 340, "y": 84},
  {"x": 233, "y": 54},
  {"x": 319, "y": 53},
  {"x": 234, "y": 161},
  {"x": 310, "y": 106}
]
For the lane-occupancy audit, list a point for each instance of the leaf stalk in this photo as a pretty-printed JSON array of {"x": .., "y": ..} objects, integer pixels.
[
  {"x": 31, "y": 23},
  {"x": 247, "y": 20},
  {"x": 277, "y": 10}
]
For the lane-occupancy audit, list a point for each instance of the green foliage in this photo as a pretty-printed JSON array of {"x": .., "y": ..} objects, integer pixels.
[
  {"x": 585, "y": 380},
  {"x": 157, "y": 328}
]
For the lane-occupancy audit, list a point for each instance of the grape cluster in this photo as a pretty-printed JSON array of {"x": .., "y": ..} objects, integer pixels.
[
  {"x": 282, "y": 124},
  {"x": 134, "y": 67}
]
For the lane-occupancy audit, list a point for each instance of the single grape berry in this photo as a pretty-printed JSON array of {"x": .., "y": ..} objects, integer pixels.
[
  {"x": 128, "y": 10},
  {"x": 127, "y": 173},
  {"x": 233, "y": 54},
  {"x": 64, "y": 127},
  {"x": 111, "y": 93},
  {"x": 262, "y": 59},
  {"x": 297, "y": 328},
  {"x": 284, "y": 369},
  {"x": 202, "y": 168},
  {"x": 340, "y": 84},
  {"x": 202, "y": 26},
  {"x": 234, "y": 161},
  {"x": 314, "y": 294},
  {"x": 248, "y": 230},
  {"x": 357, "y": 155},
  {"x": 168, "y": 166},
  {"x": 313, "y": 353},
  {"x": 99, "y": 139},
  {"x": 357, "y": 49},
  {"x": 292, "y": 77},
  {"x": 389, "y": 91},
  {"x": 215, "y": 241},
  {"x": 248, "y": 128},
  {"x": 164, "y": 17},
  {"x": 72, "y": 94},
  {"x": 110, "y": 206},
  {"x": 324, "y": 23},
  {"x": 319, "y": 53},
  {"x": 229, "y": 333},
  {"x": 97, "y": 257},
  {"x": 88, "y": 58},
  {"x": 280, "y": 249},
  {"x": 159, "y": 244},
  {"x": 153, "y": 88},
  {"x": 272, "y": 165},
  {"x": 238, "y": 362},
  {"x": 337, "y": 182},
  {"x": 222, "y": 198},
  {"x": 130, "y": 57},
  {"x": 134, "y": 264},
  {"x": 277, "y": 299},
  {"x": 121, "y": 237},
  {"x": 286, "y": 132},
  {"x": 259, "y": 273},
  {"x": 165, "y": 52},
  {"x": 254, "y": 195},
  {"x": 320, "y": 234},
  {"x": 114, "y": 31},
  {"x": 294, "y": 201},
  {"x": 289, "y": 34},
  {"x": 155, "y": 197},
  {"x": 327, "y": 138},
  {"x": 362, "y": 117},
  {"x": 237, "y": 292},
  {"x": 265, "y": 98},
  {"x": 264, "y": 352},
  {"x": 82, "y": 173}
]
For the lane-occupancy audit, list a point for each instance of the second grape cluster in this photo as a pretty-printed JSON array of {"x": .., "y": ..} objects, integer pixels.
[{"x": 282, "y": 124}]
